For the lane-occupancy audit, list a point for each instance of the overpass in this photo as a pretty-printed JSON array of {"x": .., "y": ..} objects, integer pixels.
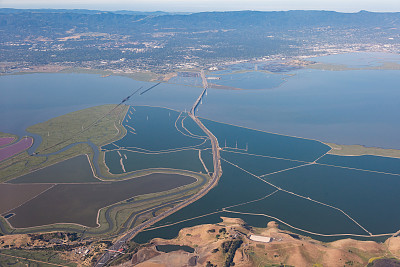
[{"x": 198, "y": 100}]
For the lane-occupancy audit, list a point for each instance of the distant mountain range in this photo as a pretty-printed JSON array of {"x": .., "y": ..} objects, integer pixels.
[
  {"x": 215, "y": 20},
  {"x": 88, "y": 11},
  {"x": 159, "y": 38}
]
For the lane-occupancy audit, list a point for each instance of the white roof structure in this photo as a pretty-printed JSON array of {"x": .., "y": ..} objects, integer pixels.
[{"x": 259, "y": 238}]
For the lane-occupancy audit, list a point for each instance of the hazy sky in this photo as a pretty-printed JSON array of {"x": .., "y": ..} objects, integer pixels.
[{"x": 210, "y": 5}]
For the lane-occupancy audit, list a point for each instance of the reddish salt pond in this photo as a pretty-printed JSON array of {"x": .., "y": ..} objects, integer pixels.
[
  {"x": 16, "y": 148},
  {"x": 6, "y": 140}
]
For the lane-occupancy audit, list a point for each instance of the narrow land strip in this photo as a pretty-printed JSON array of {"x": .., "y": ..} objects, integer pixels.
[
  {"x": 359, "y": 150},
  {"x": 297, "y": 195}
]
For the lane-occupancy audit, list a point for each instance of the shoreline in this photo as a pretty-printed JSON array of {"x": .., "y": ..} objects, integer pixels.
[
  {"x": 283, "y": 246},
  {"x": 361, "y": 150}
]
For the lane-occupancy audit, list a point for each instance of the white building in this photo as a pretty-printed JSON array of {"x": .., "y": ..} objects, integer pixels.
[{"x": 259, "y": 238}]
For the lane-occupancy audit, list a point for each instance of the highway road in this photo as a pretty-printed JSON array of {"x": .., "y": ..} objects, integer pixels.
[{"x": 108, "y": 255}]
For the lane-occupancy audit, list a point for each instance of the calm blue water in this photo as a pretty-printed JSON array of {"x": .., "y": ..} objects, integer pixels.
[
  {"x": 261, "y": 143},
  {"x": 29, "y": 99},
  {"x": 259, "y": 165},
  {"x": 233, "y": 188},
  {"x": 345, "y": 107},
  {"x": 154, "y": 130},
  {"x": 191, "y": 81},
  {"x": 302, "y": 213},
  {"x": 367, "y": 162},
  {"x": 358, "y": 60},
  {"x": 370, "y": 198},
  {"x": 247, "y": 80},
  {"x": 184, "y": 160},
  {"x": 251, "y": 80},
  {"x": 367, "y": 197}
]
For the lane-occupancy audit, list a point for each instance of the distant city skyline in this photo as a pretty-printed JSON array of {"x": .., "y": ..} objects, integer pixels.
[{"x": 210, "y": 5}]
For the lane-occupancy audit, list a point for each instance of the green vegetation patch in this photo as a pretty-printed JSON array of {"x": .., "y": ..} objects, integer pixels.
[
  {"x": 7, "y": 135},
  {"x": 96, "y": 124},
  {"x": 229, "y": 249},
  {"x": 80, "y": 126},
  {"x": 358, "y": 150}
]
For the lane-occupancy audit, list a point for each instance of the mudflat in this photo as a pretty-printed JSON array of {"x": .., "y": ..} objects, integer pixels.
[
  {"x": 11, "y": 196},
  {"x": 79, "y": 203}
]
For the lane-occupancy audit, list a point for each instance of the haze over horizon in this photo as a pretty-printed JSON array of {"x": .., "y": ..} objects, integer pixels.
[{"x": 209, "y": 5}]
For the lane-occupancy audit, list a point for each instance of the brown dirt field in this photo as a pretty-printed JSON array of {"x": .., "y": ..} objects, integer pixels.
[
  {"x": 284, "y": 249},
  {"x": 22, "y": 241},
  {"x": 45, "y": 69},
  {"x": 15, "y": 240},
  {"x": 393, "y": 245},
  {"x": 175, "y": 258},
  {"x": 12, "y": 195},
  {"x": 169, "y": 76},
  {"x": 237, "y": 221},
  {"x": 306, "y": 252},
  {"x": 150, "y": 264},
  {"x": 369, "y": 246},
  {"x": 241, "y": 259},
  {"x": 144, "y": 254}
]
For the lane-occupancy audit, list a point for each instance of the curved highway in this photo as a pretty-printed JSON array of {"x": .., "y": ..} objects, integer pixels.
[{"x": 213, "y": 182}]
